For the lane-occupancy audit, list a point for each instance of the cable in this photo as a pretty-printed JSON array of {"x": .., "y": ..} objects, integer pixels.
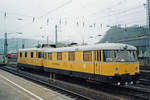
[
  {"x": 119, "y": 13},
  {"x": 16, "y": 14},
  {"x": 61, "y": 6},
  {"x": 66, "y": 3},
  {"x": 122, "y": 12},
  {"x": 106, "y": 9}
]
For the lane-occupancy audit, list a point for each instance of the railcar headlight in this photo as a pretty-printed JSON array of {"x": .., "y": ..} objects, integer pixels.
[
  {"x": 116, "y": 68},
  {"x": 136, "y": 68}
]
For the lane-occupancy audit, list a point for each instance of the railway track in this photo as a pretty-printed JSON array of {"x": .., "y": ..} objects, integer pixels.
[
  {"x": 93, "y": 92},
  {"x": 142, "y": 67},
  {"x": 74, "y": 91},
  {"x": 132, "y": 92}
]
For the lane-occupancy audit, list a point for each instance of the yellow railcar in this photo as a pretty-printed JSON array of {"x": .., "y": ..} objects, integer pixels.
[
  {"x": 30, "y": 58},
  {"x": 107, "y": 62}
]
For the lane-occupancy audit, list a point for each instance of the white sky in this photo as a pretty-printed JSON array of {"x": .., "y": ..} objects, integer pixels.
[{"x": 90, "y": 12}]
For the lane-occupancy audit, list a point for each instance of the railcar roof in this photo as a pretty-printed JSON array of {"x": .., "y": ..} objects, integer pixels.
[
  {"x": 102, "y": 46},
  {"x": 31, "y": 49}
]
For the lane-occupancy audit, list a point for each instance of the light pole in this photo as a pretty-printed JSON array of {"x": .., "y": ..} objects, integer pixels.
[
  {"x": 56, "y": 30},
  {"x": 148, "y": 19},
  {"x": 43, "y": 36},
  {"x": 6, "y": 44},
  {"x": 23, "y": 43},
  {"x": 5, "y": 36}
]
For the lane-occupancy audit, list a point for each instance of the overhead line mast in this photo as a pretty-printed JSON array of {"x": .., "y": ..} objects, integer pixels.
[
  {"x": 56, "y": 30},
  {"x": 148, "y": 24}
]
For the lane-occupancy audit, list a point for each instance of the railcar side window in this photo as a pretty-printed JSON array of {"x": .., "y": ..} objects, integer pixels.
[
  {"x": 71, "y": 56},
  {"x": 39, "y": 54},
  {"x": 50, "y": 56},
  {"x": 45, "y": 56},
  {"x": 87, "y": 56},
  {"x": 107, "y": 55},
  {"x": 59, "y": 55},
  {"x": 119, "y": 55},
  {"x": 25, "y": 54},
  {"x": 20, "y": 54},
  {"x": 31, "y": 54},
  {"x": 98, "y": 55}
]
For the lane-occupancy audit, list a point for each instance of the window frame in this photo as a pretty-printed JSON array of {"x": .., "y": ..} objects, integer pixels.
[
  {"x": 119, "y": 55},
  {"x": 104, "y": 56},
  {"x": 59, "y": 55},
  {"x": 99, "y": 59},
  {"x": 45, "y": 55},
  {"x": 20, "y": 54},
  {"x": 25, "y": 54},
  {"x": 71, "y": 56},
  {"x": 87, "y": 54},
  {"x": 134, "y": 52},
  {"x": 50, "y": 57},
  {"x": 31, "y": 54},
  {"x": 39, "y": 55}
]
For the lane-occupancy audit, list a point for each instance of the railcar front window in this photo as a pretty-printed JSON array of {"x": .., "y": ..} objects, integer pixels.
[
  {"x": 119, "y": 55},
  {"x": 132, "y": 55},
  {"x": 122, "y": 56}
]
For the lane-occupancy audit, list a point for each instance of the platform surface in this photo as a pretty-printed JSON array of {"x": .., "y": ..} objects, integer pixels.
[{"x": 16, "y": 88}]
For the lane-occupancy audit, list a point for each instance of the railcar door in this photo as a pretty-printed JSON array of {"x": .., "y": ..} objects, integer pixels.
[{"x": 97, "y": 63}]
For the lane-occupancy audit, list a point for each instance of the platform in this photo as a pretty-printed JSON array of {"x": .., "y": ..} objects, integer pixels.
[{"x": 16, "y": 88}]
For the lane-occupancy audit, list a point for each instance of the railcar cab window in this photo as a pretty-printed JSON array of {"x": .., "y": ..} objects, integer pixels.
[
  {"x": 119, "y": 55},
  {"x": 125, "y": 56},
  {"x": 59, "y": 55},
  {"x": 87, "y": 55},
  {"x": 107, "y": 55},
  {"x": 131, "y": 55}
]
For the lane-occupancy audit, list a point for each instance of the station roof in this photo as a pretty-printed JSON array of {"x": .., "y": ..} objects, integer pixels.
[{"x": 136, "y": 38}]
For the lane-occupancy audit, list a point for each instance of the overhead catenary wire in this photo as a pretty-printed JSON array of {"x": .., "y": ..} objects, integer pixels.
[
  {"x": 55, "y": 9},
  {"x": 68, "y": 2},
  {"x": 15, "y": 14},
  {"x": 44, "y": 17},
  {"x": 120, "y": 12}
]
